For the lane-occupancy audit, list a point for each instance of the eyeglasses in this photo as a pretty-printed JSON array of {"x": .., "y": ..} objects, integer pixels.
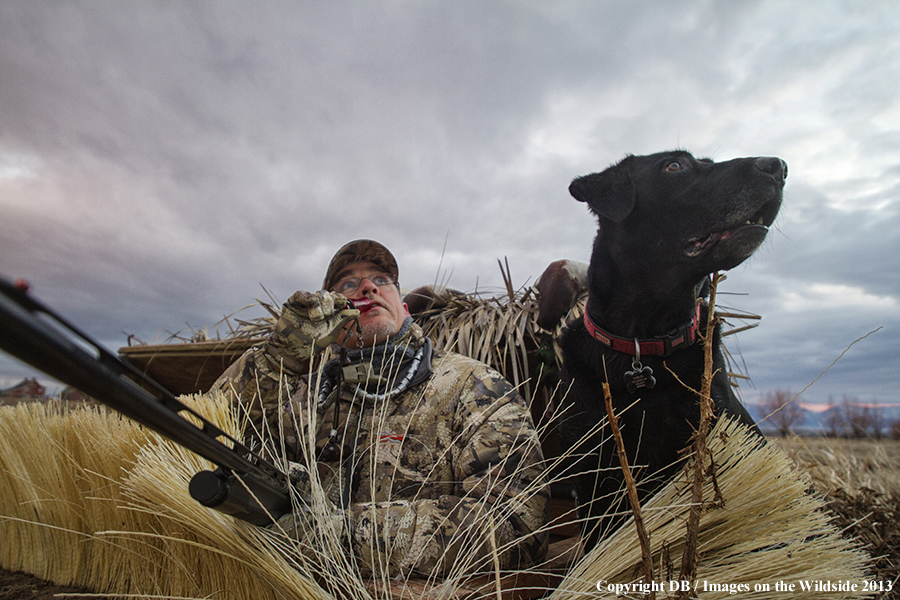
[{"x": 348, "y": 286}]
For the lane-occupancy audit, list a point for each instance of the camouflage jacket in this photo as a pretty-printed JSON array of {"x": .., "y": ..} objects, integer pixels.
[{"x": 439, "y": 474}]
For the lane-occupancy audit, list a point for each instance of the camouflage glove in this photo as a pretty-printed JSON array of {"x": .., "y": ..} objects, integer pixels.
[
  {"x": 306, "y": 524},
  {"x": 313, "y": 525},
  {"x": 299, "y": 477},
  {"x": 309, "y": 323}
]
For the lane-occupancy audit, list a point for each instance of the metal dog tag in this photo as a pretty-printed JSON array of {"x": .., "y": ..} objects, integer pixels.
[{"x": 639, "y": 377}]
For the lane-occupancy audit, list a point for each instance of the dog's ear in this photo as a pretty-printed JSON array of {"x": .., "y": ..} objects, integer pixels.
[{"x": 610, "y": 194}]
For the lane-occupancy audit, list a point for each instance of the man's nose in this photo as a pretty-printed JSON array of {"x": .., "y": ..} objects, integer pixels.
[{"x": 366, "y": 286}]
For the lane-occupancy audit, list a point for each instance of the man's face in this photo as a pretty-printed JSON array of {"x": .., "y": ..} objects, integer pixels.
[{"x": 388, "y": 311}]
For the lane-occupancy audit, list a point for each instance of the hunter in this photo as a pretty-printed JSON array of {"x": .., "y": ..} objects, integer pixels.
[{"x": 428, "y": 457}]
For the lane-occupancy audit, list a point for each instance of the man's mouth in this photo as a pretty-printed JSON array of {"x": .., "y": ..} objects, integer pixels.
[
  {"x": 365, "y": 304},
  {"x": 362, "y": 304}
]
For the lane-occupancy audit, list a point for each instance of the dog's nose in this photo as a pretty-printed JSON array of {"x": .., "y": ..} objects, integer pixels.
[
  {"x": 774, "y": 166},
  {"x": 576, "y": 189}
]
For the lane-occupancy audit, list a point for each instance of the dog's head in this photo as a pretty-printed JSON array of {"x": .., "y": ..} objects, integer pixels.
[{"x": 673, "y": 211}]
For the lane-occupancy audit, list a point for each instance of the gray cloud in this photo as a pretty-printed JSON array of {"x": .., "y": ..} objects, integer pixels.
[{"x": 159, "y": 162}]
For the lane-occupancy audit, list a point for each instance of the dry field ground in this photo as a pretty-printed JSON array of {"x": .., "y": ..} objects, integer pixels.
[
  {"x": 847, "y": 464},
  {"x": 859, "y": 478}
]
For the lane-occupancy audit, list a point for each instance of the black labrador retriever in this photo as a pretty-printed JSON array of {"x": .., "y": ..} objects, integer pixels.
[{"x": 666, "y": 221}]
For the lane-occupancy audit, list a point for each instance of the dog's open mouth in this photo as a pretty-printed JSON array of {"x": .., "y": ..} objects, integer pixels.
[{"x": 758, "y": 224}]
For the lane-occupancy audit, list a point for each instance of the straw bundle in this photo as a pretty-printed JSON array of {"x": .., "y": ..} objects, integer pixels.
[
  {"x": 50, "y": 462},
  {"x": 94, "y": 500},
  {"x": 768, "y": 530}
]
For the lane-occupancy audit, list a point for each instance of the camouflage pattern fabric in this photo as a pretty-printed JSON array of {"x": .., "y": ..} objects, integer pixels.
[
  {"x": 430, "y": 480},
  {"x": 357, "y": 251},
  {"x": 308, "y": 323}
]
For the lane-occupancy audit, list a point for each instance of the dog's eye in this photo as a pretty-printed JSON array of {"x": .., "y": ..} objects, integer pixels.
[{"x": 673, "y": 166}]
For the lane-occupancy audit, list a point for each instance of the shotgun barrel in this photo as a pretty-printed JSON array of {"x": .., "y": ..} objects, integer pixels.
[{"x": 244, "y": 485}]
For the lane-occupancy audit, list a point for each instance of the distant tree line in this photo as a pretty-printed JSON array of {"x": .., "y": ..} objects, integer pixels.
[{"x": 848, "y": 418}]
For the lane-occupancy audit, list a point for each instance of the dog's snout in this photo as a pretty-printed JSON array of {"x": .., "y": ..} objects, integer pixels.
[
  {"x": 774, "y": 166},
  {"x": 576, "y": 189}
]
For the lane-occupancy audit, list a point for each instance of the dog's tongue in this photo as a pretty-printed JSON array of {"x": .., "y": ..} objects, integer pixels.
[{"x": 697, "y": 246}]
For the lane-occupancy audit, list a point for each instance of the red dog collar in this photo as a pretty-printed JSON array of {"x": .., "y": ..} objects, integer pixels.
[{"x": 663, "y": 345}]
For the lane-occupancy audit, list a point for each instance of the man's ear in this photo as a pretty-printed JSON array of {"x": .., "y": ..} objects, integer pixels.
[
  {"x": 609, "y": 194},
  {"x": 406, "y": 309}
]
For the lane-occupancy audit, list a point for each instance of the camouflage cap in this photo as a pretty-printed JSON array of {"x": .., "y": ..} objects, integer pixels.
[{"x": 357, "y": 251}]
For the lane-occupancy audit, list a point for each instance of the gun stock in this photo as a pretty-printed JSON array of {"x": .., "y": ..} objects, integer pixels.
[{"x": 244, "y": 485}]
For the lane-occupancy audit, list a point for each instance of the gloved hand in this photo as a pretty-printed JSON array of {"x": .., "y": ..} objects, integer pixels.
[
  {"x": 313, "y": 526},
  {"x": 306, "y": 524},
  {"x": 310, "y": 322}
]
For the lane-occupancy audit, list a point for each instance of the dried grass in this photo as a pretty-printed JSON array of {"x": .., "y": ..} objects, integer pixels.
[
  {"x": 861, "y": 482},
  {"x": 119, "y": 520},
  {"x": 232, "y": 327},
  {"x": 850, "y": 465},
  {"x": 768, "y": 530},
  {"x": 92, "y": 500},
  {"x": 499, "y": 331}
]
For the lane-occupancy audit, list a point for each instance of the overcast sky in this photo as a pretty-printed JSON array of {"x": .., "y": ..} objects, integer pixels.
[{"x": 161, "y": 161}]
